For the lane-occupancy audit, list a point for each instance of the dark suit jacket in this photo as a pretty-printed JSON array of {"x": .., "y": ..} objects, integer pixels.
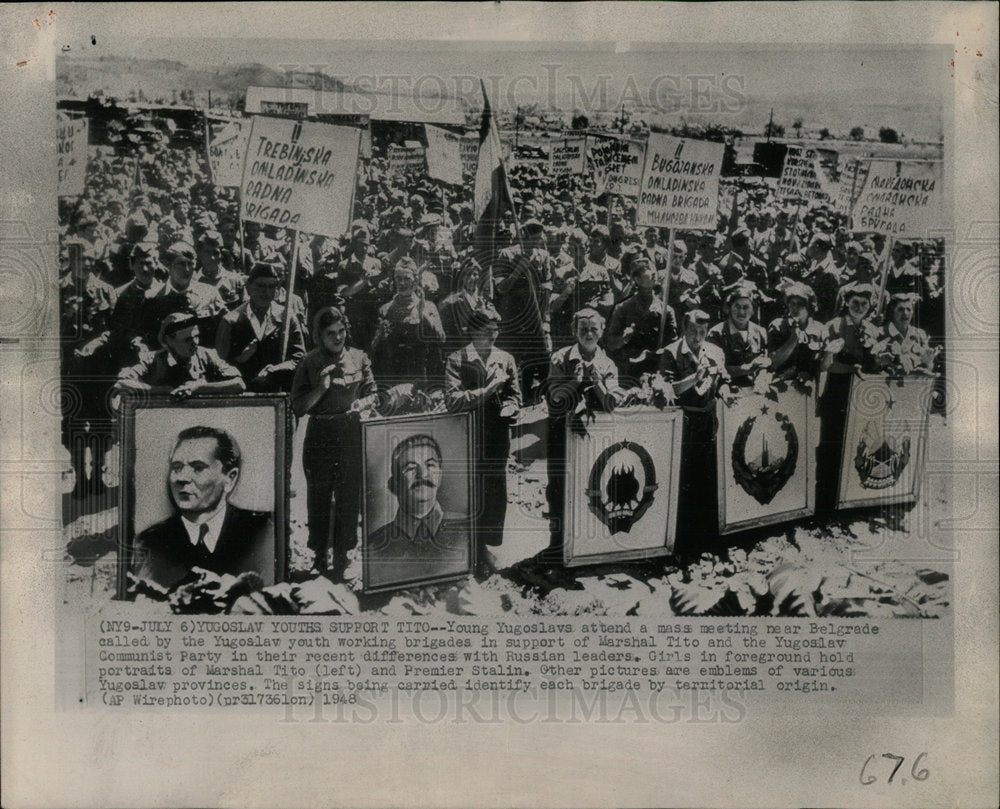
[
  {"x": 235, "y": 333},
  {"x": 164, "y": 552}
]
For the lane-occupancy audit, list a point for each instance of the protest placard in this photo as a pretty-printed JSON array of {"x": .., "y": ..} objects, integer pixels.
[
  {"x": 680, "y": 183},
  {"x": 567, "y": 157},
  {"x": 900, "y": 198},
  {"x": 405, "y": 159},
  {"x": 616, "y": 164},
  {"x": 300, "y": 175},
  {"x": 444, "y": 155},
  {"x": 71, "y": 148},
  {"x": 801, "y": 177},
  {"x": 852, "y": 182},
  {"x": 227, "y": 140},
  {"x": 468, "y": 150}
]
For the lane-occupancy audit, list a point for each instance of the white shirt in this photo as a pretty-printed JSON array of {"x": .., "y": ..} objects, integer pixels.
[
  {"x": 257, "y": 324},
  {"x": 214, "y": 524}
]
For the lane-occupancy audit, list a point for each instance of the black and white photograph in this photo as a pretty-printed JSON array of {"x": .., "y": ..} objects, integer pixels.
[
  {"x": 419, "y": 501},
  {"x": 393, "y": 252},
  {"x": 623, "y": 366},
  {"x": 205, "y": 492}
]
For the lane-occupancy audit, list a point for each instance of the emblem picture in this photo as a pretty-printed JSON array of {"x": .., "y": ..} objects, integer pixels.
[
  {"x": 884, "y": 440},
  {"x": 765, "y": 455},
  {"x": 621, "y": 486}
]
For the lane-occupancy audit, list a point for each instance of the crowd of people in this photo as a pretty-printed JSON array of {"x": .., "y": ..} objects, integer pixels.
[{"x": 565, "y": 302}]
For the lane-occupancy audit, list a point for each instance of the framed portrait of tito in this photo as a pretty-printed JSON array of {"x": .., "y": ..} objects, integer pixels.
[
  {"x": 205, "y": 485},
  {"x": 419, "y": 501}
]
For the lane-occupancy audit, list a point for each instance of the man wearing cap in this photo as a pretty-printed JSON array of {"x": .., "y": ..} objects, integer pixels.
[
  {"x": 122, "y": 342},
  {"x": 433, "y": 255},
  {"x": 655, "y": 252},
  {"x": 633, "y": 336},
  {"x": 599, "y": 284},
  {"x": 251, "y": 336},
  {"x": 743, "y": 342},
  {"x": 482, "y": 378},
  {"x": 697, "y": 370},
  {"x": 795, "y": 340},
  {"x": 822, "y": 276},
  {"x": 520, "y": 293},
  {"x": 182, "y": 293},
  {"x": 708, "y": 295},
  {"x": 211, "y": 272},
  {"x": 563, "y": 299},
  {"x": 232, "y": 256},
  {"x": 406, "y": 346},
  {"x": 360, "y": 283},
  {"x": 780, "y": 242},
  {"x": 182, "y": 368},
  {"x": 120, "y": 272},
  {"x": 741, "y": 264}
]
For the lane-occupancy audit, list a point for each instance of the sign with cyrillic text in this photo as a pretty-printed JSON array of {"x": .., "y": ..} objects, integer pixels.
[{"x": 900, "y": 199}]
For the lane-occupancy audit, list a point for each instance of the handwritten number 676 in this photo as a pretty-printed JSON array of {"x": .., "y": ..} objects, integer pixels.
[{"x": 916, "y": 772}]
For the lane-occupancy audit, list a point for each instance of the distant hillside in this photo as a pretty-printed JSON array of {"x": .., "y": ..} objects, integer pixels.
[{"x": 163, "y": 79}]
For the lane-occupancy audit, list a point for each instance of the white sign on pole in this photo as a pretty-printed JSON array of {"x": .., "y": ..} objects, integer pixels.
[
  {"x": 567, "y": 157},
  {"x": 801, "y": 176},
  {"x": 444, "y": 155},
  {"x": 300, "y": 175},
  {"x": 405, "y": 159},
  {"x": 900, "y": 199},
  {"x": 616, "y": 164},
  {"x": 226, "y": 147},
  {"x": 680, "y": 183},
  {"x": 71, "y": 149},
  {"x": 852, "y": 182},
  {"x": 469, "y": 152}
]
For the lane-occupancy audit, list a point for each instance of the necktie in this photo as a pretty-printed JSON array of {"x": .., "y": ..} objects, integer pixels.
[{"x": 202, "y": 536}]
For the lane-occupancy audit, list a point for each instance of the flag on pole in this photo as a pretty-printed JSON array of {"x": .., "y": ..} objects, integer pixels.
[
  {"x": 491, "y": 195},
  {"x": 491, "y": 191}
]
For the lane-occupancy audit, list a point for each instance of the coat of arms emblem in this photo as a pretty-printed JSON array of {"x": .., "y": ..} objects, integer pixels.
[{"x": 621, "y": 486}]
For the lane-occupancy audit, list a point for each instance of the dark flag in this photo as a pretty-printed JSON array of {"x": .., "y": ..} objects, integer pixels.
[{"x": 492, "y": 197}]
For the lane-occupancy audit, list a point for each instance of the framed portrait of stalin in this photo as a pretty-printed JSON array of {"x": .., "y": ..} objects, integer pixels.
[
  {"x": 419, "y": 501},
  {"x": 204, "y": 485}
]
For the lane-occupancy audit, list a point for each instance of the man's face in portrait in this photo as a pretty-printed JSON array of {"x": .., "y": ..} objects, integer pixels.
[
  {"x": 197, "y": 480},
  {"x": 419, "y": 479}
]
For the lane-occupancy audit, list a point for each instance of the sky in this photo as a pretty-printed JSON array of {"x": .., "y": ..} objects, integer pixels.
[{"x": 647, "y": 52}]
